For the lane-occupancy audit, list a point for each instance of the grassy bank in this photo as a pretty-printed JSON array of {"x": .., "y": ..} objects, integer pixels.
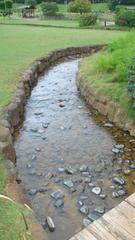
[
  {"x": 20, "y": 45},
  {"x": 107, "y": 71},
  {"x": 12, "y": 225}
]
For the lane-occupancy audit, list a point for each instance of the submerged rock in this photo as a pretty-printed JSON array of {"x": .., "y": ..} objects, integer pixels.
[
  {"x": 108, "y": 125},
  {"x": 69, "y": 170},
  {"x": 83, "y": 168},
  {"x": 68, "y": 183},
  {"x": 57, "y": 195},
  {"x": 100, "y": 210},
  {"x": 132, "y": 166},
  {"x": 84, "y": 209},
  {"x": 118, "y": 180},
  {"x": 96, "y": 190},
  {"x": 93, "y": 216},
  {"x": 59, "y": 203},
  {"x": 50, "y": 224},
  {"x": 86, "y": 222}
]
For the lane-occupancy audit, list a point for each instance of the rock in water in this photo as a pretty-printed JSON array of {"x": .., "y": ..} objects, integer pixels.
[
  {"x": 50, "y": 224},
  {"x": 59, "y": 203},
  {"x": 83, "y": 168},
  {"x": 57, "y": 195},
  {"x": 84, "y": 209},
  {"x": 118, "y": 180},
  {"x": 86, "y": 222},
  {"x": 132, "y": 166},
  {"x": 68, "y": 183},
  {"x": 96, "y": 190}
]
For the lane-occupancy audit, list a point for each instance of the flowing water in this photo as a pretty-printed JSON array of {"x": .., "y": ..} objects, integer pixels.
[{"x": 59, "y": 134}]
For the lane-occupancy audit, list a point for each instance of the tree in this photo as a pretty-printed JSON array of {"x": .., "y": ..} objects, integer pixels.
[
  {"x": 113, "y": 4},
  {"x": 79, "y": 6},
  {"x": 32, "y": 3},
  {"x": 49, "y": 8},
  {"x": 6, "y": 7}
]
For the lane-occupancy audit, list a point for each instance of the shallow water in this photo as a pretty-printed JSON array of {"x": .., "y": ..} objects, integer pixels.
[{"x": 59, "y": 131}]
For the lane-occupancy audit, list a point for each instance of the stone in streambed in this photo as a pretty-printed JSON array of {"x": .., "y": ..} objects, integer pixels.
[
  {"x": 132, "y": 166},
  {"x": 57, "y": 195},
  {"x": 93, "y": 216},
  {"x": 121, "y": 193},
  {"x": 83, "y": 168},
  {"x": 108, "y": 125},
  {"x": 50, "y": 224},
  {"x": 86, "y": 222},
  {"x": 133, "y": 181},
  {"x": 59, "y": 203},
  {"x": 84, "y": 209},
  {"x": 118, "y": 180},
  {"x": 100, "y": 210},
  {"x": 69, "y": 170},
  {"x": 103, "y": 196},
  {"x": 68, "y": 183},
  {"x": 115, "y": 150},
  {"x": 96, "y": 190},
  {"x": 32, "y": 191}
]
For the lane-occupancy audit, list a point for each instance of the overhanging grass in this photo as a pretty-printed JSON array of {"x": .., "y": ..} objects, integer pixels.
[
  {"x": 20, "y": 45},
  {"x": 12, "y": 225},
  {"x": 107, "y": 72}
]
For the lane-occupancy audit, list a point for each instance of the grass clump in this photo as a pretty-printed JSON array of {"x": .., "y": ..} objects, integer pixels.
[{"x": 107, "y": 71}]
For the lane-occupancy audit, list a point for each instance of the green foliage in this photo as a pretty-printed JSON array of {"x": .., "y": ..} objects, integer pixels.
[
  {"x": 87, "y": 19},
  {"x": 49, "y": 8},
  {"x": 79, "y": 6},
  {"x": 113, "y": 4},
  {"x": 108, "y": 72},
  {"x": 125, "y": 17},
  {"x": 6, "y": 8},
  {"x": 32, "y": 3}
]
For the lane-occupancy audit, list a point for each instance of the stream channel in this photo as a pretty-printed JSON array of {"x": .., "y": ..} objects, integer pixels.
[{"x": 71, "y": 166}]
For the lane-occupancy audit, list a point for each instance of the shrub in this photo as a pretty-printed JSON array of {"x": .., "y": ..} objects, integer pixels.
[
  {"x": 6, "y": 8},
  {"x": 87, "y": 19},
  {"x": 125, "y": 18},
  {"x": 79, "y": 6},
  {"x": 112, "y": 4},
  {"x": 49, "y": 8}
]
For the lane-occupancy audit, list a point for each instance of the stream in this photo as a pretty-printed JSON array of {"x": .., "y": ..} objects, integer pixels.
[{"x": 70, "y": 165}]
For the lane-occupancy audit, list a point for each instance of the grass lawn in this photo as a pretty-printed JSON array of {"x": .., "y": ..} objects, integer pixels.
[
  {"x": 51, "y": 22},
  {"x": 107, "y": 72},
  {"x": 20, "y": 45}
]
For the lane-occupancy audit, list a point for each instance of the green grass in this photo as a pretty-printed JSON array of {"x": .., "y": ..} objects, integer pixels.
[
  {"x": 107, "y": 72},
  {"x": 12, "y": 226},
  {"x": 20, "y": 45},
  {"x": 99, "y": 7},
  {"x": 51, "y": 22}
]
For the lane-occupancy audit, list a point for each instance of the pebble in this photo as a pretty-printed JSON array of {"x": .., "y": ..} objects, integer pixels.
[
  {"x": 126, "y": 172},
  {"x": 86, "y": 222},
  {"x": 108, "y": 125},
  {"x": 68, "y": 183},
  {"x": 119, "y": 146},
  {"x": 69, "y": 170},
  {"x": 59, "y": 203},
  {"x": 115, "y": 195},
  {"x": 115, "y": 150},
  {"x": 118, "y": 180},
  {"x": 33, "y": 157},
  {"x": 84, "y": 174},
  {"x": 103, "y": 196},
  {"x": 79, "y": 204},
  {"x": 93, "y": 216},
  {"x": 87, "y": 179},
  {"x": 38, "y": 149},
  {"x": 100, "y": 210},
  {"x": 83, "y": 197},
  {"x": 83, "y": 168},
  {"x": 32, "y": 191},
  {"x": 84, "y": 209},
  {"x": 132, "y": 166},
  {"x": 57, "y": 195},
  {"x": 28, "y": 165},
  {"x": 57, "y": 180},
  {"x": 121, "y": 192},
  {"x": 96, "y": 190},
  {"x": 41, "y": 131},
  {"x": 61, "y": 170},
  {"x": 50, "y": 224},
  {"x": 61, "y": 105},
  {"x": 45, "y": 125},
  {"x": 80, "y": 107},
  {"x": 72, "y": 189}
]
